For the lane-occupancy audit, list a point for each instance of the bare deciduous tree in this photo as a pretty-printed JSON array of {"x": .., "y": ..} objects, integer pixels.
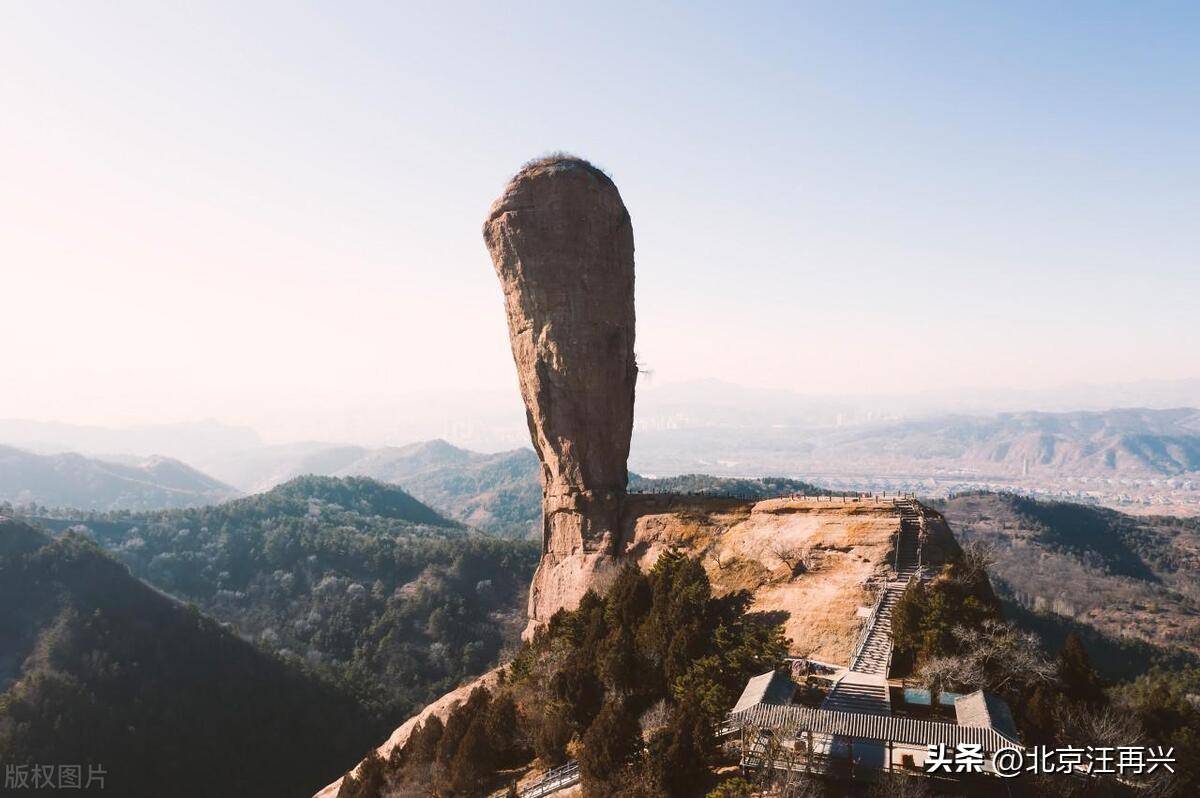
[
  {"x": 720, "y": 564},
  {"x": 978, "y": 557},
  {"x": 995, "y": 656},
  {"x": 899, "y": 785},
  {"x": 1103, "y": 727},
  {"x": 796, "y": 558},
  {"x": 1111, "y": 728},
  {"x": 657, "y": 717},
  {"x": 802, "y": 785}
]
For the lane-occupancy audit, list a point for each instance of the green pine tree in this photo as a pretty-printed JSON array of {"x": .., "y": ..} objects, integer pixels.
[
  {"x": 608, "y": 745},
  {"x": 1079, "y": 679}
]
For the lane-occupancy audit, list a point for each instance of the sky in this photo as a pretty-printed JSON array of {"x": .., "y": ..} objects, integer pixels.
[{"x": 270, "y": 213}]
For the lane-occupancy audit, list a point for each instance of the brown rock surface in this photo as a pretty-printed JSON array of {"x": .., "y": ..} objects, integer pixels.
[
  {"x": 844, "y": 548},
  {"x": 441, "y": 708},
  {"x": 562, "y": 244}
]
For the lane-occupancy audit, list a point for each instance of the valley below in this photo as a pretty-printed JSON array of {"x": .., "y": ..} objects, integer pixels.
[{"x": 1135, "y": 460}]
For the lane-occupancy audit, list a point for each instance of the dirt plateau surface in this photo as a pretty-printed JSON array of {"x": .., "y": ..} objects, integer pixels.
[{"x": 813, "y": 560}]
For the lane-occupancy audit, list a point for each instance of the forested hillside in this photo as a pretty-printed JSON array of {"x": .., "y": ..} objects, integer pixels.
[
  {"x": 758, "y": 488},
  {"x": 633, "y": 683},
  {"x": 1129, "y": 585},
  {"x": 99, "y": 669},
  {"x": 499, "y": 493},
  {"x": 354, "y": 578}
]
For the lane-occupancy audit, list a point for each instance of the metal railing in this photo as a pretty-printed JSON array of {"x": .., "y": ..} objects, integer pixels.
[
  {"x": 554, "y": 780},
  {"x": 897, "y": 537},
  {"x": 865, "y": 632},
  {"x": 728, "y": 726},
  {"x": 747, "y": 494}
]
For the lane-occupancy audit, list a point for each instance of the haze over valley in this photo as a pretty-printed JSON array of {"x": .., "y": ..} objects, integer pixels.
[{"x": 1136, "y": 459}]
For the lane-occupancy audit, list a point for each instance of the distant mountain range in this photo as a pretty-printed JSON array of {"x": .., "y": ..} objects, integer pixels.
[
  {"x": 261, "y": 468},
  {"x": 1109, "y": 443},
  {"x": 190, "y": 441},
  {"x": 713, "y": 403},
  {"x": 1112, "y": 443},
  {"x": 73, "y": 480},
  {"x": 499, "y": 492}
]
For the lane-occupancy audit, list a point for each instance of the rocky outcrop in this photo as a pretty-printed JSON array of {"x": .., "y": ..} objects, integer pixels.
[
  {"x": 440, "y": 708},
  {"x": 562, "y": 244},
  {"x": 810, "y": 562}
]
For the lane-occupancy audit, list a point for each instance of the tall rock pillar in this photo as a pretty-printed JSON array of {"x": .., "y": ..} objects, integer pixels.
[{"x": 562, "y": 244}]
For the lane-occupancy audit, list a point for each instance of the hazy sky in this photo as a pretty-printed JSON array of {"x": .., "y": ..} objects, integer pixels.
[{"x": 271, "y": 214}]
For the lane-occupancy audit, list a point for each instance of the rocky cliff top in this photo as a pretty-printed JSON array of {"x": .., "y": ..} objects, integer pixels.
[
  {"x": 816, "y": 560},
  {"x": 559, "y": 162}
]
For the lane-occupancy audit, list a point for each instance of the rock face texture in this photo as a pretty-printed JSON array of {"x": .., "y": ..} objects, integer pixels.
[{"x": 562, "y": 244}]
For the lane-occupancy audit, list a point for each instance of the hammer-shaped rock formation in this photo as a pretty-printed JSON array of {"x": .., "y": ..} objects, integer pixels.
[{"x": 562, "y": 243}]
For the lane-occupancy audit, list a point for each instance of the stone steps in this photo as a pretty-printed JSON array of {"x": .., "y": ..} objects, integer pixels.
[
  {"x": 861, "y": 693},
  {"x": 875, "y": 653}
]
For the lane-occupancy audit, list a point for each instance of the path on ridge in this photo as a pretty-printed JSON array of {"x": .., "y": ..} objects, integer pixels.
[{"x": 863, "y": 688}]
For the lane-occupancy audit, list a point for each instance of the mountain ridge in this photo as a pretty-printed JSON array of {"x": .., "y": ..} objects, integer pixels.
[
  {"x": 1135, "y": 441},
  {"x": 1087, "y": 455},
  {"x": 369, "y": 587},
  {"x": 75, "y": 480},
  {"x": 1129, "y": 579}
]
